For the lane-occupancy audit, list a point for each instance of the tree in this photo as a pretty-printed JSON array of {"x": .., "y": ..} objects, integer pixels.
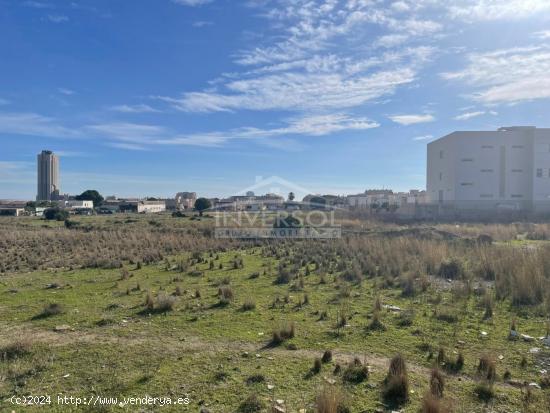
[
  {"x": 56, "y": 213},
  {"x": 317, "y": 202},
  {"x": 291, "y": 196},
  {"x": 289, "y": 221},
  {"x": 90, "y": 195},
  {"x": 202, "y": 204}
]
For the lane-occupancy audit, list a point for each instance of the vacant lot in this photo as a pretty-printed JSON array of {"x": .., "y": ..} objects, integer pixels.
[{"x": 133, "y": 306}]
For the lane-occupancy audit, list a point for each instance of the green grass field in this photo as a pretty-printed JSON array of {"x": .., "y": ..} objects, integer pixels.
[{"x": 207, "y": 349}]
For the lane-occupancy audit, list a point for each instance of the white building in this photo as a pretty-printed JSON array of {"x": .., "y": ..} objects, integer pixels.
[
  {"x": 75, "y": 204},
  {"x": 504, "y": 169}
]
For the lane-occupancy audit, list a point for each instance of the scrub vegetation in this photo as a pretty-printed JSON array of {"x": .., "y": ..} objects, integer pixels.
[{"x": 391, "y": 317}]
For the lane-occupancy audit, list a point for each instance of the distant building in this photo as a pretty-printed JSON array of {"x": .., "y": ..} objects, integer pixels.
[
  {"x": 271, "y": 202},
  {"x": 185, "y": 200},
  {"x": 386, "y": 198},
  {"x": 48, "y": 176},
  {"x": 142, "y": 206},
  {"x": 504, "y": 169},
  {"x": 75, "y": 204},
  {"x": 12, "y": 211}
]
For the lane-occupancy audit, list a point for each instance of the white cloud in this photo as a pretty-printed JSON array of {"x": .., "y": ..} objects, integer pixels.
[
  {"x": 141, "y": 108},
  {"x": 412, "y": 119},
  {"x": 192, "y": 2},
  {"x": 128, "y": 146},
  {"x": 66, "y": 92},
  {"x": 33, "y": 124},
  {"x": 138, "y": 136},
  {"x": 319, "y": 58},
  {"x": 423, "y": 137},
  {"x": 507, "y": 76},
  {"x": 296, "y": 91},
  {"x": 57, "y": 18},
  {"x": 37, "y": 4},
  {"x": 497, "y": 9},
  {"x": 391, "y": 40},
  {"x": 543, "y": 35},
  {"x": 475, "y": 114},
  {"x": 202, "y": 23}
]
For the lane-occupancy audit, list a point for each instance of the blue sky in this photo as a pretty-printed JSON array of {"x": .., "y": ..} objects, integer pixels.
[{"x": 152, "y": 97}]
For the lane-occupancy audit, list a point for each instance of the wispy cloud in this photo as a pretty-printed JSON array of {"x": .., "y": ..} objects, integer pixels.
[
  {"x": 4, "y": 102},
  {"x": 475, "y": 114},
  {"x": 57, "y": 18},
  {"x": 127, "y": 146},
  {"x": 423, "y": 137},
  {"x": 66, "y": 92},
  {"x": 202, "y": 23},
  {"x": 294, "y": 91},
  {"x": 543, "y": 35},
  {"x": 472, "y": 10},
  {"x": 140, "y": 108},
  {"x": 33, "y": 124},
  {"x": 37, "y": 4},
  {"x": 412, "y": 119},
  {"x": 311, "y": 62},
  {"x": 139, "y": 136},
  {"x": 192, "y": 2},
  {"x": 507, "y": 76}
]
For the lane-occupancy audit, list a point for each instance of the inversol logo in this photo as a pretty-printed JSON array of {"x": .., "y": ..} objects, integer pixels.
[{"x": 275, "y": 214}]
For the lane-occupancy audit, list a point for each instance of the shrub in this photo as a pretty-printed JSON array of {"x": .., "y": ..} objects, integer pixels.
[
  {"x": 405, "y": 319},
  {"x": 248, "y": 305},
  {"x": 484, "y": 391},
  {"x": 545, "y": 382},
  {"x": 488, "y": 304},
  {"x": 15, "y": 350},
  {"x": 431, "y": 404},
  {"x": 355, "y": 372},
  {"x": 252, "y": 404},
  {"x": 50, "y": 310},
  {"x": 149, "y": 302},
  {"x": 317, "y": 365},
  {"x": 330, "y": 400},
  {"x": 225, "y": 294},
  {"x": 396, "y": 383},
  {"x": 284, "y": 277},
  {"x": 487, "y": 368},
  {"x": 327, "y": 356},
  {"x": 256, "y": 378},
  {"x": 407, "y": 285},
  {"x": 56, "y": 214},
  {"x": 437, "y": 383},
  {"x": 451, "y": 269},
  {"x": 446, "y": 316},
  {"x": 165, "y": 303},
  {"x": 376, "y": 324},
  {"x": 285, "y": 333}
]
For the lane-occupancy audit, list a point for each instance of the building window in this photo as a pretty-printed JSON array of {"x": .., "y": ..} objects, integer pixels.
[
  {"x": 517, "y": 196},
  {"x": 487, "y": 170},
  {"x": 539, "y": 172},
  {"x": 486, "y": 196},
  {"x": 440, "y": 176},
  {"x": 440, "y": 154},
  {"x": 487, "y": 147},
  {"x": 517, "y": 146},
  {"x": 466, "y": 183},
  {"x": 517, "y": 170},
  {"x": 467, "y": 159}
]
